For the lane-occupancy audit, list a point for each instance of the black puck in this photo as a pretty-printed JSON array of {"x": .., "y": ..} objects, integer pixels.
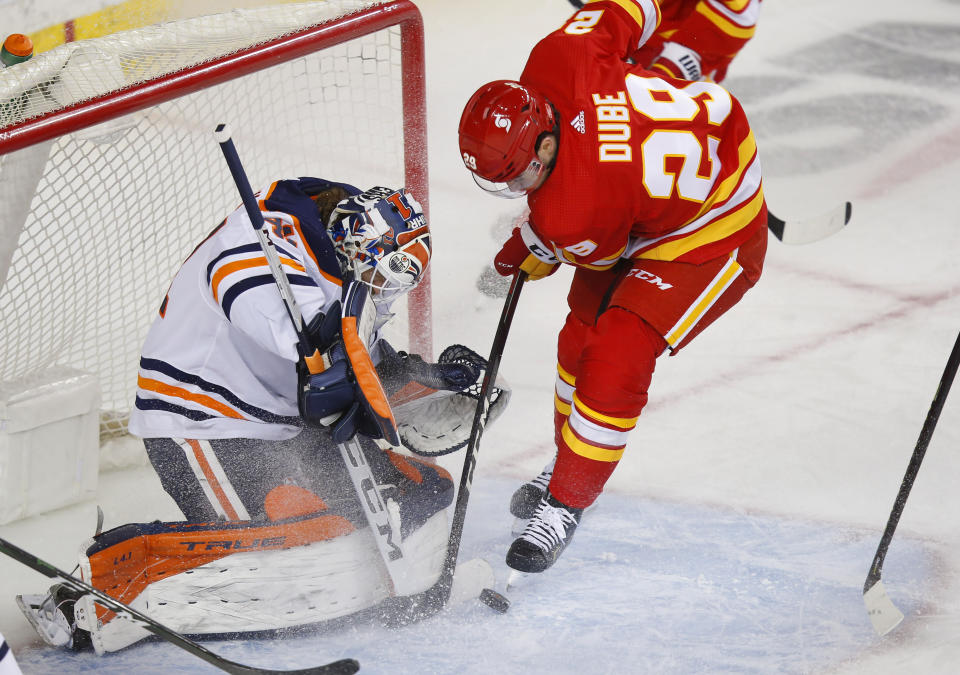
[{"x": 494, "y": 600}]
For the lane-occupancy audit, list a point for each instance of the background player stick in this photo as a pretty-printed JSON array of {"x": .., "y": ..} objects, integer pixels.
[
  {"x": 883, "y": 614},
  {"x": 809, "y": 230}
]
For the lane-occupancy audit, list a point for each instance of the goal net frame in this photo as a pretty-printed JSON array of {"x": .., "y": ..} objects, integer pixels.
[{"x": 400, "y": 16}]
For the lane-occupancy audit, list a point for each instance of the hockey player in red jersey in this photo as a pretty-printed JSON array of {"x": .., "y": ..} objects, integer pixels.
[
  {"x": 698, "y": 39},
  {"x": 249, "y": 444},
  {"x": 650, "y": 187}
]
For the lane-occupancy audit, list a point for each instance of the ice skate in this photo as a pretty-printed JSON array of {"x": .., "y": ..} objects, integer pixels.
[
  {"x": 52, "y": 616},
  {"x": 526, "y": 499},
  {"x": 546, "y": 536}
]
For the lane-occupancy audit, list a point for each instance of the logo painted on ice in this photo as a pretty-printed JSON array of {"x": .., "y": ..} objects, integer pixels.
[
  {"x": 501, "y": 122},
  {"x": 651, "y": 278}
]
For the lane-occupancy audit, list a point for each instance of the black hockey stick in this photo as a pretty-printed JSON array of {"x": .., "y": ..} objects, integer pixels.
[
  {"x": 810, "y": 230},
  {"x": 422, "y": 605},
  {"x": 883, "y": 614},
  {"x": 342, "y": 667}
]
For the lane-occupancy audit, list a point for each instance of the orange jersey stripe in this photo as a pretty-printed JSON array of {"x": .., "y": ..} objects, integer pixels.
[
  {"x": 248, "y": 263},
  {"x": 212, "y": 479},
  {"x": 178, "y": 392}
]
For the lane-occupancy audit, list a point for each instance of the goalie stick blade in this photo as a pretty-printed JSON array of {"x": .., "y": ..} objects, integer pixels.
[
  {"x": 883, "y": 614},
  {"x": 812, "y": 229}
]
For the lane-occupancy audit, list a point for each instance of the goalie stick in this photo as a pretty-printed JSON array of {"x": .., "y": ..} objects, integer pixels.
[
  {"x": 341, "y": 667},
  {"x": 883, "y": 614}
]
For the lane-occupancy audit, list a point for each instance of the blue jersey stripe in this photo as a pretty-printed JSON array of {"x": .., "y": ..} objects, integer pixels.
[
  {"x": 227, "y": 395},
  {"x": 157, "y": 404},
  {"x": 227, "y": 299}
]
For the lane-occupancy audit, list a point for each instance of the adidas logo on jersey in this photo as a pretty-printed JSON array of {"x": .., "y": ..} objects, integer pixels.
[{"x": 579, "y": 123}]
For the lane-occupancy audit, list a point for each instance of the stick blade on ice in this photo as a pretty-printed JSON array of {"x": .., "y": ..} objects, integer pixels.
[
  {"x": 883, "y": 614},
  {"x": 811, "y": 229}
]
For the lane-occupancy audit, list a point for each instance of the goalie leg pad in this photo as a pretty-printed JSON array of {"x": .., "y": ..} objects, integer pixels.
[
  {"x": 270, "y": 589},
  {"x": 139, "y": 564}
]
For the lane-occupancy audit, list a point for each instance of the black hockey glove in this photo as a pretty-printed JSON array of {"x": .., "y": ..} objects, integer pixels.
[{"x": 452, "y": 372}]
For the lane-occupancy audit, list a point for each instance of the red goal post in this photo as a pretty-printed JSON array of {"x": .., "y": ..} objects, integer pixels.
[{"x": 109, "y": 174}]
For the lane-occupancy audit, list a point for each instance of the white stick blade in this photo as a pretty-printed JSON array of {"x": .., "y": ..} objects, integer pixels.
[
  {"x": 883, "y": 614},
  {"x": 816, "y": 228},
  {"x": 469, "y": 579}
]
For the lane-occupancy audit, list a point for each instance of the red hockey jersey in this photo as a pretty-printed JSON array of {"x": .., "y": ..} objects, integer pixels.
[
  {"x": 648, "y": 166},
  {"x": 716, "y": 29}
]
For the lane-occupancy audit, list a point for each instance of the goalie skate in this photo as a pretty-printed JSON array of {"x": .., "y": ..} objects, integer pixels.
[{"x": 52, "y": 616}]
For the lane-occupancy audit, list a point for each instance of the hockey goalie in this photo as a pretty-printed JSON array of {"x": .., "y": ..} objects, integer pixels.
[{"x": 261, "y": 451}]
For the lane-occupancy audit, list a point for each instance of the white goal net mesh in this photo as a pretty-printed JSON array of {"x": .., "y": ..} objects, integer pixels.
[{"x": 96, "y": 220}]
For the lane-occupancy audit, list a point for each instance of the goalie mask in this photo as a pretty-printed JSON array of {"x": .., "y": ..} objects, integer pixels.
[{"x": 382, "y": 236}]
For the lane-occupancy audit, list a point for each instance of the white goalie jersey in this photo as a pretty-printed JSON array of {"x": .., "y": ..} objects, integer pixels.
[{"x": 220, "y": 359}]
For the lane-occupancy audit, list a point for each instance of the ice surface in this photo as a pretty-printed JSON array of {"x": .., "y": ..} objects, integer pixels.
[{"x": 736, "y": 533}]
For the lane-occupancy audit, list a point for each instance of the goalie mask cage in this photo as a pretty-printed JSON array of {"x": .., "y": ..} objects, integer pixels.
[{"x": 110, "y": 175}]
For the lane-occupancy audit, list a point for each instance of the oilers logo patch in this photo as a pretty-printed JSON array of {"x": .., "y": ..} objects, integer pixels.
[{"x": 401, "y": 263}]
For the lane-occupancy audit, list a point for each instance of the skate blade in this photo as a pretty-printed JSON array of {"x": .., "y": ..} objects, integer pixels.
[
  {"x": 515, "y": 579},
  {"x": 47, "y": 628}
]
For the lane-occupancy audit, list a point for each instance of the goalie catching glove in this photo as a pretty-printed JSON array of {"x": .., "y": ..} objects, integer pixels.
[{"x": 435, "y": 403}]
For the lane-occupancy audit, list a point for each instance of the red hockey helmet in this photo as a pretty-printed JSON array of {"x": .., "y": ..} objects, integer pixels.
[{"x": 499, "y": 130}]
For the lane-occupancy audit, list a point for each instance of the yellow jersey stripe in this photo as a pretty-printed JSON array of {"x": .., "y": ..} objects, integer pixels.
[
  {"x": 724, "y": 24},
  {"x": 590, "y": 413},
  {"x": 587, "y": 450},
  {"x": 645, "y": 12},
  {"x": 706, "y": 300},
  {"x": 715, "y": 231},
  {"x": 562, "y": 406},
  {"x": 722, "y": 192},
  {"x": 736, "y": 5}
]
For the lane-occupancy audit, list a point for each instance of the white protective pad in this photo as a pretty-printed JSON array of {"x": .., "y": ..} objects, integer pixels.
[
  {"x": 268, "y": 590},
  {"x": 441, "y": 422}
]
